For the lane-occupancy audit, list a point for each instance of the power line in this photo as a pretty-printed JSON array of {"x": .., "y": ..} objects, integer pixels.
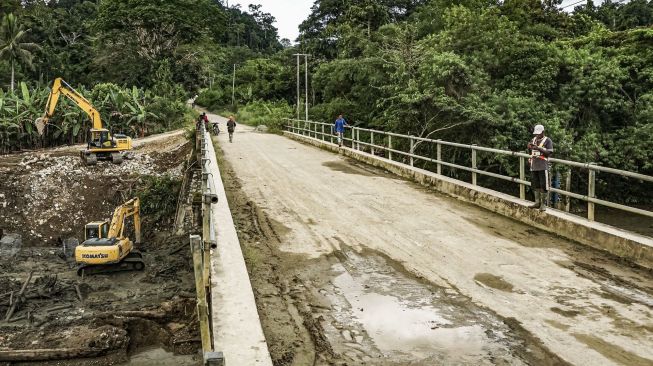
[
  {"x": 585, "y": 1},
  {"x": 576, "y": 3}
]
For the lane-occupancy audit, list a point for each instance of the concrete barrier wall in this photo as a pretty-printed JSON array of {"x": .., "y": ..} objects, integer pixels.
[
  {"x": 630, "y": 246},
  {"x": 236, "y": 325}
]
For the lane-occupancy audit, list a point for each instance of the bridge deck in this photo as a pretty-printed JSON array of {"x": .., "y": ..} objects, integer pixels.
[{"x": 583, "y": 306}]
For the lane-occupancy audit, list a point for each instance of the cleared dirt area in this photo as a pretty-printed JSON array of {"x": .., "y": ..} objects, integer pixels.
[
  {"x": 351, "y": 265},
  {"x": 136, "y": 318}
]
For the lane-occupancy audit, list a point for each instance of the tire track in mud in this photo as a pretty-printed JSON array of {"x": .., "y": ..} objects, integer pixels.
[
  {"x": 289, "y": 339},
  {"x": 312, "y": 310}
]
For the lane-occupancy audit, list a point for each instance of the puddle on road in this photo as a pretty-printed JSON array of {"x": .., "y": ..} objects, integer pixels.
[
  {"x": 493, "y": 281},
  {"x": 398, "y": 326},
  {"x": 348, "y": 168},
  {"x": 381, "y": 316}
]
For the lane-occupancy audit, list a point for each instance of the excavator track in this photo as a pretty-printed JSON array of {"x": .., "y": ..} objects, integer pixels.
[{"x": 132, "y": 262}]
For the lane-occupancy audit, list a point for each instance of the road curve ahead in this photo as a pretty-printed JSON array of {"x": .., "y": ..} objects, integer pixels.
[{"x": 411, "y": 261}]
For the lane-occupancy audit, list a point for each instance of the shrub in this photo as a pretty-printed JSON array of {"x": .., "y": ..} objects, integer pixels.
[{"x": 270, "y": 114}]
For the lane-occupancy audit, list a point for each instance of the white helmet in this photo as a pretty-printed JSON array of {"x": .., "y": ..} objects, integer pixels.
[{"x": 538, "y": 129}]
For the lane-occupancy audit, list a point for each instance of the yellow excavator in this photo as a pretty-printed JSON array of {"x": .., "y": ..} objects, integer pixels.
[
  {"x": 102, "y": 144},
  {"x": 106, "y": 248}
]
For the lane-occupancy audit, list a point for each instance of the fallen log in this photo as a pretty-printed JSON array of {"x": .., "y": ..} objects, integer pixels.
[
  {"x": 11, "y": 310},
  {"x": 49, "y": 354},
  {"x": 18, "y": 318},
  {"x": 60, "y": 307},
  {"x": 148, "y": 314},
  {"x": 189, "y": 340},
  {"x": 179, "y": 248}
]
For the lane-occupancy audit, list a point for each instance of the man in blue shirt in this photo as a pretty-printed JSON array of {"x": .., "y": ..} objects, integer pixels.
[{"x": 340, "y": 129}]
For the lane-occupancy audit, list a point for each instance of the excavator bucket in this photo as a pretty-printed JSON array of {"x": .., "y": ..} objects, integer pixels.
[{"x": 40, "y": 125}]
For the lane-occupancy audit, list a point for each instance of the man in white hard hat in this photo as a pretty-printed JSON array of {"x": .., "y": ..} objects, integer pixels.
[{"x": 541, "y": 148}]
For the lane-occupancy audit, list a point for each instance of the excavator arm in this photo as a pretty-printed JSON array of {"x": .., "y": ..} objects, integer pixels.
[
  {"x": 122, "y": 212},
  {"x": 61, "y": 87}
]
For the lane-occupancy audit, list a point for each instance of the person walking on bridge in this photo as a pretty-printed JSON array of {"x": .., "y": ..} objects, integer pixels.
[
  {"x": 339, "y": 127},
  {"x": 231, "y": 127},
  {"x": 541, "y": 148}
]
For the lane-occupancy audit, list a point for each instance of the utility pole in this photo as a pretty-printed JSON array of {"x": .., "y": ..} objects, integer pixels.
[
  {"x": 306, "y": 85},
  {"x": 297, "y": 85},
  {"x": 233, "y": 88},
  {"x": 298, "y": 55}
]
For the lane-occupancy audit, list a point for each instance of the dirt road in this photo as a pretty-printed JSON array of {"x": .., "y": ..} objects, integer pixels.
[{"x": 352, "y": 265}]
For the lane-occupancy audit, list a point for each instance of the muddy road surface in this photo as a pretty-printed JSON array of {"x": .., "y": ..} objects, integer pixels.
[
  {"x": 351, "y": 265},
  {"x": 135, "y": 318}
]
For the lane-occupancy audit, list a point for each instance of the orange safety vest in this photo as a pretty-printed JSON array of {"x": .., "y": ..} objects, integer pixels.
[{"x": 535, "y": 154}]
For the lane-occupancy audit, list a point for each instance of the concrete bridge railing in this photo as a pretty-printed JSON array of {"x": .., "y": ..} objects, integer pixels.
[
  {"x": 386, "y": 143},
  {"x": 201, "y": 247}
]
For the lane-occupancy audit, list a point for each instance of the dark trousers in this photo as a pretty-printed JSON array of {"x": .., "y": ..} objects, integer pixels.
[{"x": 540, "y": 180}]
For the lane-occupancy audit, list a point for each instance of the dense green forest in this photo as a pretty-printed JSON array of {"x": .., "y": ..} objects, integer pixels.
[
  {"x": 138, "y": 61},
  {"x": 472, "y": 71},
  {"x": 475, "y": 71}
]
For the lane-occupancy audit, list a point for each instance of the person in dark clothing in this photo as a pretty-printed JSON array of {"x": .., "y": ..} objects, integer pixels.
[
  {"x": 541, "y": 148},
  {"x": 231, "y": 127},
  {"x": 203, "y": 118}
]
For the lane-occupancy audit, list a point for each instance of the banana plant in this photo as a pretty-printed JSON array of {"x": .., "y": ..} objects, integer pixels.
[{"x": 139, "y": 114}]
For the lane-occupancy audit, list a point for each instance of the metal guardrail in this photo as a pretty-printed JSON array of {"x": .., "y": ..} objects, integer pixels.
[
  {"x": 201, "y": 250},
  {"x": 353, "y": 137}
]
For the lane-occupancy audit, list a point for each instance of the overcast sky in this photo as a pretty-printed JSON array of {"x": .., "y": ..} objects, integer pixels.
[{"x": 289, "y": 13}]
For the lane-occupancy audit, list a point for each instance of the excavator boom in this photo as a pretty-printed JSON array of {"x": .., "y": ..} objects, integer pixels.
[
  {"x": 102, "y": 145},
  {"x": 122, "y": 212},
  {"x": 60, "y": 87}
]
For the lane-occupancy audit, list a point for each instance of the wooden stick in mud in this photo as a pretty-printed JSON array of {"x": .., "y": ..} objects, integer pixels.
[
  {"x": 178, "y": 249},
  {"x": 48, "y": 354},
  {"x": 60, "y": 307},
  {"x": 79, "y": 293},
  {"x": 17, "y": 318},
  {"x": 11, "y": 310}
]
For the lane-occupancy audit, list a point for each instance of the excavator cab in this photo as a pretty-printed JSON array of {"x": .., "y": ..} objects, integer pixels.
[
  {"x": 101, "y": 139},
  {"x": 97, "y": 229}
]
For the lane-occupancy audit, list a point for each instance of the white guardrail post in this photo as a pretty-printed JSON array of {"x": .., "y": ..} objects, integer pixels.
[
  {"x": 591, "y": 193},
  {"x": 438, "y": 156},
  {"x": 522, "y": 177},
  {"x": 358, "y": 138},
  {"x": 390, "y": 147},
  {"x": 474, "y": 178},
  {"x": 372, "y": 141},
  {"x": 568, "y": 188},
  {"x": 412, "y": 150}
]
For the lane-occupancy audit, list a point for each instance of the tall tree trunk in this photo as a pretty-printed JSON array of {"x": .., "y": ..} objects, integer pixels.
[{"x": 12, "y": 76}]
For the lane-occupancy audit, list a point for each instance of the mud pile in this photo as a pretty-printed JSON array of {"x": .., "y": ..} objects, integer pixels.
[
  {"x": 51, "y": 195},
  {"x": 49, "y": 314}
]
